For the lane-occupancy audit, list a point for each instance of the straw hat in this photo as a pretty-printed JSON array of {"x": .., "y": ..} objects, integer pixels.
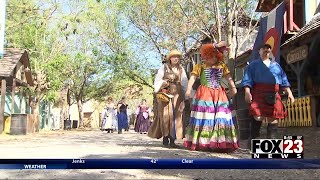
[{"x": 174, "y": 53}]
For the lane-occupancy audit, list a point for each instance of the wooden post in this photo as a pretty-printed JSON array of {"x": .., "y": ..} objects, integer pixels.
[
  {"x": 285, "y": 22},
  {"x": 27, "y": 104},
  {"x": 21, "y": 100},
  {"x": 298, "y": 68},
  {"x": 299, "y": 80},
  {"x": 291, "y": 15},
  {"x": 296, "y": 72},
  {"x": 3, "y": 103},
  {"x": 30, "y": 108},
  {"x": 299, "y": 85},
  {"x": 13, "y": 90}
]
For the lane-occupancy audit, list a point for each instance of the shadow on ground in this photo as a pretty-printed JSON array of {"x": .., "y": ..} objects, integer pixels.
[
  {"x": 143, "y": 147},
  {"x": 65, "y": 174}
]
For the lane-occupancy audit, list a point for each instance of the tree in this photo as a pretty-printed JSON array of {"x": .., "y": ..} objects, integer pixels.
[
  {"x": 102, "y": 55},
  {"x": 182, "y": 23},
  {"x": 76, "y": 44},
  {"x": 114, "y": 44},
  {"x": 28, "y": 28}
]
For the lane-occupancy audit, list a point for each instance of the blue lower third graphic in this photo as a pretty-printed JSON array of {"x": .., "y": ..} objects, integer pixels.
[{"x": 159, "y": 164}]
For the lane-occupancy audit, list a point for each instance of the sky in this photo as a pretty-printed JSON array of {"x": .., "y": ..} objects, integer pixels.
[
  {"x": 145, "y": 51},
  {"x": 152, "y": 57}
]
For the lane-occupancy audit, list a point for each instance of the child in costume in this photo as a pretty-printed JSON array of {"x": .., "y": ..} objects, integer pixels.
[{"x": 211, "y": 125}]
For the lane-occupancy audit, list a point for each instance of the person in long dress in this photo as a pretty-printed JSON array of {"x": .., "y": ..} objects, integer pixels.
[
  {"x": 115, "y": 121},
  {"x": 142, "y": 122},
  {"x": 168, "y": 122},
  {"x": 129, "y": 113},
  {"x": 122, "y": 115},
  {"x": 265, "y": 78},
  {"x": 108, "y": 116},
  {"x": 211, "y": 125}
]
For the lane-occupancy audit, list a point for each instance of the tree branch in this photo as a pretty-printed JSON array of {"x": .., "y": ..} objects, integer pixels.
[{"x": 149, "y": 35}]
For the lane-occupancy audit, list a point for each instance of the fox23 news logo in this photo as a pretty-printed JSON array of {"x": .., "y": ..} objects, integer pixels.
[{"x": 290, "y": 147}]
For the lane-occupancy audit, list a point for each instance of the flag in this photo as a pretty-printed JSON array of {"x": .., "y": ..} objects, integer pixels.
[
  {"x": 270, "y": 32},
  {"x": 2, "y": 25}
]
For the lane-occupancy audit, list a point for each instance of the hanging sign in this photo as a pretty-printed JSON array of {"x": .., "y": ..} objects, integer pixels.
[{"x": 297, "y": 54}]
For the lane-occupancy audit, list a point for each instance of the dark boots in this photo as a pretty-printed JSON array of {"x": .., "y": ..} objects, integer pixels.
[
  {"x": 170, "y": 143},
  {"x": 254, "y": 131},
  {"x": 165, "y": 141},
  {"x": 272, "y": 130}
]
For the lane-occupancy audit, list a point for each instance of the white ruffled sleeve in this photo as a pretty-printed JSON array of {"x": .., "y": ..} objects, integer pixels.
[
  {"x": 137, "y": 110},
  {"x": 103, "y": 113},
  {"x": 159, "y": 79}
]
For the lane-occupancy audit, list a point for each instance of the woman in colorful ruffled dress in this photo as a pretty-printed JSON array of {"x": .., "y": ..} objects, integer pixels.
[{"x": 211, "y": 125}]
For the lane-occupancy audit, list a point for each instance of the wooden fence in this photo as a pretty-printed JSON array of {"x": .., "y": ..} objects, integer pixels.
[{"x": 301, "y": 113}]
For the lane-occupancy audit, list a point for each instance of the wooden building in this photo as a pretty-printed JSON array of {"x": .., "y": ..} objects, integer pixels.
[
  {"x": 192, "y": 56},
  {"x": 299, "y": 58},
  {"x": 15, "y": 75}
]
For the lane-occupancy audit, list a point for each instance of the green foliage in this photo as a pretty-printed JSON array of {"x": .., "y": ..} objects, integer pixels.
[
  {"x": 28, "y": 28},
  {"x": 178, "y": 24},
  {"x": 99, "y": 48},
  {"x": 67, "y": 47}
]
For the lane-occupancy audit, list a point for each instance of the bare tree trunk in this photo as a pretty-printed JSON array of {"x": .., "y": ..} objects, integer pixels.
[
  {"x": 61, "y": 118},
  {"x": 63, "y": 114},
  {"x": 218, "y": 18},
  {"x": 236, "y": 46},
  {"x": 81, "y": 115},
  {"x": 3, "y": 103},
  {"x": 37, "y": 106},
  {"x": 40, "y": 90},
  {"x": 36, "y": 113},
  {"x": 64, "y": 106},
  {"x": 230, "y": 33}
]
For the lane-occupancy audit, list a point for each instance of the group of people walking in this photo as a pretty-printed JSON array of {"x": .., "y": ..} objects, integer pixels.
[
  {"x": 114, "y": 117},
  {"x": 211, "y": 123},
  {"x": 117, "y": 117}
]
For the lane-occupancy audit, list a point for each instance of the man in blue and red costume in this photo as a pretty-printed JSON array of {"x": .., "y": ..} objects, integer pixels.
[{"x": 262, "y": 82}]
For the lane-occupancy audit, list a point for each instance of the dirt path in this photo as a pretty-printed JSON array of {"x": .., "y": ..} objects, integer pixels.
[{"x": 97, "y": 144}]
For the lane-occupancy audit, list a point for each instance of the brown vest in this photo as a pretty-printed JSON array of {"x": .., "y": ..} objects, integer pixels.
[{"x": 173, "y": 78}]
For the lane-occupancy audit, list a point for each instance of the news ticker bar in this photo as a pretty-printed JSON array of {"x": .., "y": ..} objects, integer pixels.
[{"x": 159, "y": 164}]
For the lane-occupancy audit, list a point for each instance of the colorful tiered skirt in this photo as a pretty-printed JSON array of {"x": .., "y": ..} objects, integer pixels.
[{"x": 211, "y": 123}]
